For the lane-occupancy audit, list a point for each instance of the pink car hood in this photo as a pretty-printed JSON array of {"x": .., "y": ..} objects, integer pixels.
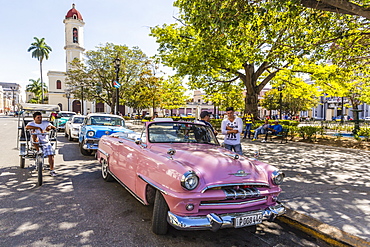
[{"x": 212, "y": 164}]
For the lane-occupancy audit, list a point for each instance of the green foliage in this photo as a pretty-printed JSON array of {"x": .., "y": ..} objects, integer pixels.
[
  {"x": 173, "y": 94},
  {"x": 225, "y": 95},
  {"x": 365, "y": 132},
  {"x": 308, "y": 132},
  {"x": 35, "y": 88},
  {"x": 245, "y": 43},
  {"x": 293, "y": 131},
  {"x": 40, "y": 51},
  {"x": 140, "y": 87},
  {"x": 295, "y": 95}
]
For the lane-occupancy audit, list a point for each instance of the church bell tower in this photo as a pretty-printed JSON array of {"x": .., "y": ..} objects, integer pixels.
[{"x": 74, "y": 33}]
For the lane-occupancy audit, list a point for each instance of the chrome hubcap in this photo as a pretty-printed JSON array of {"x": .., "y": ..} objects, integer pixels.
[{"x": 104, "y": 168}]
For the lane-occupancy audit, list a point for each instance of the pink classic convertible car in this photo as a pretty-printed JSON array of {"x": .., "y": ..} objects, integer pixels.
[{"x": 193, "y": 182}]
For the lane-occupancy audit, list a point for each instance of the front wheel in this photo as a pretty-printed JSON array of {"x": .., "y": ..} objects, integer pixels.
[
  {"x": 69, "y": 136},
  {"x": 159, "y": 218},
  {"x": 83, "y": 151},
  {"x": 22, "y": 161},
  {"x": 40, "y": 166}
]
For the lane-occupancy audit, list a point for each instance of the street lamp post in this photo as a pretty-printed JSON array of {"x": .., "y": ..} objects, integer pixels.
[
  {"x": 342, "y": 115},
  {"x": 68, "y": 95},
  {"x": 280, "y": 89},
  {"x": 117, "y": 63}
]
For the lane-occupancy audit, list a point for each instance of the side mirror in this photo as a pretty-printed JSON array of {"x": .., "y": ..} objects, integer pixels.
[{"x": 138, "y": 141}]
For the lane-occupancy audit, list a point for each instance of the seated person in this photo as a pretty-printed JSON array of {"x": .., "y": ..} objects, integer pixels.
[
  {"x": 261, "y": 130},
  {"x": 39, "y": 126},
  {"x": 273, "y": 130}
]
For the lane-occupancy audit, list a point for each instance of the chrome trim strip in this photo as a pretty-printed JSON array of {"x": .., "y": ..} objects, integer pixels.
[
  {"x": 124, "y": 186},
  {"x": 155, "y": 186},
  {"x": 233, "y": 203},
  {"x": 214, "y": 222},
  {"x": 103, "y": 152},
  {"x": 236, "y": 184}
]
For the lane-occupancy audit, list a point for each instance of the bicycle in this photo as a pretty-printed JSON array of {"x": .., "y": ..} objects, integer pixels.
[{"x": 39, "y": 156}]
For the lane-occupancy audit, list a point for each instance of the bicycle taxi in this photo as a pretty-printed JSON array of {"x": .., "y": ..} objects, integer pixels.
[{"x": 25, "y": 142}]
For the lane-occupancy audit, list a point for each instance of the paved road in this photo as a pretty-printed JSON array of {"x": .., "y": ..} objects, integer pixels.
[{"x": 78, "y": 208}]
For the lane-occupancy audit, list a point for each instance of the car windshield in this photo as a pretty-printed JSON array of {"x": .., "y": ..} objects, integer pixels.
[
  {"x": 164, "y": 132},
  {"x": 106, "y": 120},
  {"x": 65, "y": 114},
  {"x": 78, "y": 120}
]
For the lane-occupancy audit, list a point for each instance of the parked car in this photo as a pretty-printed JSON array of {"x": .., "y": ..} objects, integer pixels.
[
  {"x": 193, "y": 182},
  {"x": 61, "y": 119},
  {"x": 367, "y": 118},
  {"x": 72, "y": 127},
  {"x": 94, "y": 127}
]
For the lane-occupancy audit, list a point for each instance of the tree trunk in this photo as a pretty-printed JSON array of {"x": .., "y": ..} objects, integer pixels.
[
  {"x": 42, "y": 84},
  {"x": 251, "y": 104}
]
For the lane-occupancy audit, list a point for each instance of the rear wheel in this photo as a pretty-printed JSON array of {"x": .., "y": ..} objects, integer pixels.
[
  {"x": 84, "y": 151},
  {"x": 40, "y": 166},
  {"x": 159, "y": 218},
  {"x": 22, "y": 161}
]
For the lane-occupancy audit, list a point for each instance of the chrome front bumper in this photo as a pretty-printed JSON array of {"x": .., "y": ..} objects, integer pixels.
[
  {"x": 91, "y": 144},
  {"x": 215, "y": 222}
]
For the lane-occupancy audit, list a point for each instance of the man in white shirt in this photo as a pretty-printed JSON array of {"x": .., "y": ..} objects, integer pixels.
[
  {"x": 39, "y": 126},
  {"x": 232, "y": 127}
]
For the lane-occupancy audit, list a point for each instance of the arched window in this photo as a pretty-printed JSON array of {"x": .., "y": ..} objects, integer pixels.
[
  {"x": 75, "y": 16},
  {"x": 59, "y": 84},
  {"x": 75, "y": 35}
]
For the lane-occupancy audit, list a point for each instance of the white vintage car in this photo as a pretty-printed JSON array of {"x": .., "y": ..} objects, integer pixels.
[{"x": 72, "y": 127}]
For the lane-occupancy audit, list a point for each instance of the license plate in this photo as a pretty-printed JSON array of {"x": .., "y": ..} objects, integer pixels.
[{"x": 248, "y": 220}]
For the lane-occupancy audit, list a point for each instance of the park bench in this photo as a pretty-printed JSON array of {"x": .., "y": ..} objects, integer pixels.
[{"x": 283, "y": 135}]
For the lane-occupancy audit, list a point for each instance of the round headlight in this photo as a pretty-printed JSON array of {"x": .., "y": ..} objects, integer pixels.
[
  {"x": 277, "y": 177},
  {"x": 90, "y": 133},
  {"x": 189, "y": 180}
]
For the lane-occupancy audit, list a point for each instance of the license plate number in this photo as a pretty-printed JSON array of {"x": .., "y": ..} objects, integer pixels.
[{"x": 248, "y": 220}]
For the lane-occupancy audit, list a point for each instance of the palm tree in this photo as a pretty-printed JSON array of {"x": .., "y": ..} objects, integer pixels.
[
  {"x": 35, "y": 88},
  {"x": 40, "y": 50}
]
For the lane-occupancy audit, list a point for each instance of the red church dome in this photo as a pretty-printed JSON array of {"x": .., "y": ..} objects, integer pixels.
[{"x": 73, "y": 13}]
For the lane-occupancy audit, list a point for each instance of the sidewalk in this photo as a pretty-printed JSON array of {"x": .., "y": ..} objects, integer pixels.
[{"x": 326, "y": 190}]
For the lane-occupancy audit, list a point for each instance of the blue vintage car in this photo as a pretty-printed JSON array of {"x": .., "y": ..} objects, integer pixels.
[{"x": 95, "y": 126}]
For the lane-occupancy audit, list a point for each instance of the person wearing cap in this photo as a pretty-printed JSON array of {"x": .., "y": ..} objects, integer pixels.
[
  {"x": 273, "y": 130},
  {"x": 205, "y": 116},
  {"x": 232, "y": 127}
]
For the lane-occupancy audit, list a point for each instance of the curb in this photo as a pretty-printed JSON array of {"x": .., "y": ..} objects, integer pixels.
[{"x": 318, "y": 229}]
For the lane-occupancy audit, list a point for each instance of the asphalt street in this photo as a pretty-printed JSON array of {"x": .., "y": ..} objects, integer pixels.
[{"x": 78, "y": 208}]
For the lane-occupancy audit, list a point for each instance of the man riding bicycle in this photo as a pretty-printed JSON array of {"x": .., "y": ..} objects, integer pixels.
[{"x": 40, "y": 126}]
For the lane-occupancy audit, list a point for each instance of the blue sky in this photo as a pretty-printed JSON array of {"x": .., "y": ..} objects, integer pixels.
[{"x": 116, "y": 21}]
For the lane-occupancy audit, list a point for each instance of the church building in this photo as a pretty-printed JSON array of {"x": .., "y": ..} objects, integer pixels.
[{"x": 74, "y": 47}]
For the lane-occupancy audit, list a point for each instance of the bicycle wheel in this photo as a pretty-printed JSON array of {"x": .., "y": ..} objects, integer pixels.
[{"x": 40, "y": 167}]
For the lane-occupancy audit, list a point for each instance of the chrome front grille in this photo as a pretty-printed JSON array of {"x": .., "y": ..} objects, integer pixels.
[{"x": 241, "y": 193}]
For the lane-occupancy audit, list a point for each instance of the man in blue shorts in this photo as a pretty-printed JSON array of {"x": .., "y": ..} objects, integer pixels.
[{"x": 39, "y": 126}]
